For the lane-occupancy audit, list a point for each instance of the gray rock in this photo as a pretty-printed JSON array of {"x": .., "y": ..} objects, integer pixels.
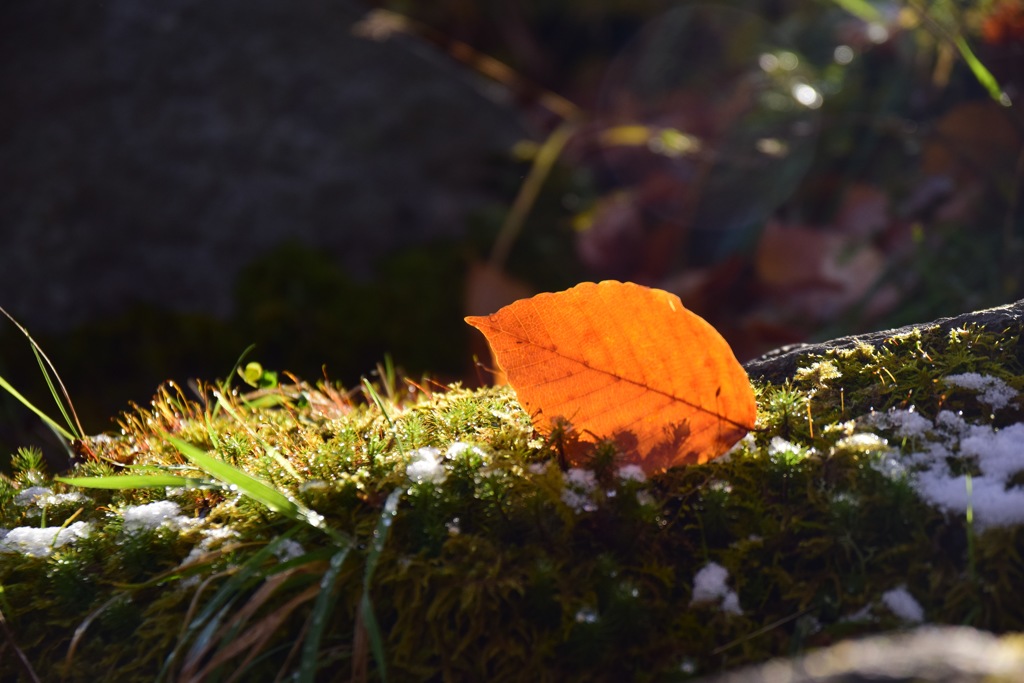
[
  {"x": 776, "y": 366},
  {"x": 149, "y": 150},
  {"x": 928, "y": 654}
]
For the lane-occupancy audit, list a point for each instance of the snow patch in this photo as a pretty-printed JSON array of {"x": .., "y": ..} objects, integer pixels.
[
  {"x": 632, "y": 473},
  {"x": 863, "y": 442},
  {"x": 908, "y": 424},
  {"x": 40, "y": 542},
  {"x": 289, "y": 550},
  {"x": 211, "y": 539},
  {"x": 30, "y": 495},
  {"x": 991, "y": 391},
  {"x": 787, "y": 450},
  {"x": 903, "y": 605},
  {"x": 460, "y": 448},
  {"x": 580, "y": 485},
  {"x": 709, "y": 585},
  {"x": 996, "y": 454},
  {"x": 162, "y": 513},
  {"x": 425, "y": 466}
]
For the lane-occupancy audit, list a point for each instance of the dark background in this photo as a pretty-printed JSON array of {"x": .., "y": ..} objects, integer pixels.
[{"x": 182, "y": 179}]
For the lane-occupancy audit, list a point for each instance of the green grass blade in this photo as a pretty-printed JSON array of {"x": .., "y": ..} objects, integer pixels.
[
  {"x": 270, "y": 450},
  {"x": 247, "y": 484},
  {"x": 544, "y": 161},
  {"x": 53, "y": 392},
  {"x": 268, "y": 401},
  {"x": 319, "y": 617},
  {"x": 862, "y": 9},
  {"x": 984, "y": 76},
  {"x": 209, "y": 619},
  {"x": 46, "y": 366},
  {"x": 380, "y": 537},
  {"x": 6, "y": 386},
  {"x": 374, "y": 636},
  {"x": 375, "y": 397},
  {"x": 133, "y": 481},
  {"x": 380, "y": 405},
  {"x": 225, "y": 387}
]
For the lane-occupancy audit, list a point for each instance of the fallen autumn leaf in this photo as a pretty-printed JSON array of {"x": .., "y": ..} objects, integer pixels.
[{"x": 625, "y": 362}]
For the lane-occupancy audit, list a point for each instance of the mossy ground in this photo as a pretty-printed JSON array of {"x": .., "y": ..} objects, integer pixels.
[{"x": 484, "y": 559}]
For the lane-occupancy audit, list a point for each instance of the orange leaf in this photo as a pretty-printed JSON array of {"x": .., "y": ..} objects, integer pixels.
[{"x": 626, "y": 362}]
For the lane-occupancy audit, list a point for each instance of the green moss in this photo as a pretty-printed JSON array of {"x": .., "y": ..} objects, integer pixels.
[{"x": 495, "y": 567}]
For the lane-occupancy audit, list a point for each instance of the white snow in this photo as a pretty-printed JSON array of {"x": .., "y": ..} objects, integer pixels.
[
  {"x": 645, "y": 499},
  {"x": 40, "y": 542},
  {"x": 950, "y": 422},
  {"x": 425, "y": 466},
  {"x": 458, "y": 448},
  {"x": 162, "y": 513},
  {"x": 744, "y": 445},
  {"x": 42, "y": 497},
  {"x": 998, "y": 454},
  {"x": 903, "y": 605},
  {"x": 992, "y": 391},
  {"x": 537, "y": 468},
  {"x": 779, "y": 447},
  {"x": 30, "y": 495},
  {"x": 709, "y": 585},
  {"x": 863, "y": 442},
  {"x": 632, "y": 472},
  {"x": 908, "y": 424},
  {"x": 289, "y": 550},
  {"x": 212, "y": 538},
  {"x": 731, "y": 603},
  {"x": 580, "y": 485}
]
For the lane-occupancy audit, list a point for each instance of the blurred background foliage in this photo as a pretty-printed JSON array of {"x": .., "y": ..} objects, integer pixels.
[{"x": 793, "y": 169}]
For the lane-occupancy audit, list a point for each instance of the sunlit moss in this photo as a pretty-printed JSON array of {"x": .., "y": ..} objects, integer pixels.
[{"x": 501, "y": 565}]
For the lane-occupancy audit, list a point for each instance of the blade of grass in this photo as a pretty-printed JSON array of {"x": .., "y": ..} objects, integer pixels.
[
  {"x": 226, "y": 384},
  {"x": 952, "y": 34},
  {"x": 543, "y": 162},
  {"x": 386, "y": 372},
  {"x": 247, "y": 484},
  {"x": 134, "y": 481},
  {"x": 862, "y": 9},
  {"x": 236, "y": 632},
  {"x": 82, "y": 627},
  {"x": 268, "y": 449},
  {"x": 380, "y": 405},
  {"x": 319, "y": 617},
  {"x": 201, "y": 629},
  {"x": 23, "y": 661},
  {"x": 982, "y": 74},
  {"x": 6, "y": 386},
  {"x": 79, "y": 433},
  {"x": 75, "y": 426},
  {"x": 238, "y": 635},
  {"x": 62, "y": 527},
  {"x": 254, "y": 640},
  {"x": 380, "y": 537}
]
